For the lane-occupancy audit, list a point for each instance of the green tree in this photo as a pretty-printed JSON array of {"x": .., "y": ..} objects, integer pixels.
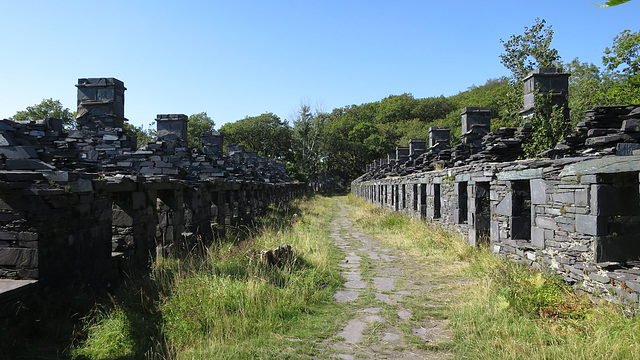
[
  {"x": 267, "y": 134},
  {"x": 526, "y": 52},
  {"x": 432, "y": 108},
  {"x": 587, "y": 84},
  {"x": 143, "y": 136},
  {"x": 522, "y": 54},
  {"x": 46, "y": 109},
  {"x": 307, "y": 143},
  {"x": 550, "y": 126},
  {"x": 624, "y": 52},
  {"x": 623, "y": 62},
  {"x": 197, "y": 124}
]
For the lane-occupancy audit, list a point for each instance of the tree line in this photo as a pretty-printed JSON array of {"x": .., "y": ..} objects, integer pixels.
[{"x": 344, "y": 140}]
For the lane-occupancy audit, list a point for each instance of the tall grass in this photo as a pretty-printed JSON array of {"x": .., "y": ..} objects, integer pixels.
[
  {"x": 503, "y": 310},
  {"x": 222, "y": 302}
]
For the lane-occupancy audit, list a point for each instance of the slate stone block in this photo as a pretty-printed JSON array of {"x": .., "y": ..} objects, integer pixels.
[
  {"x": 538, "y": 191},
  {"x": 18, "y": 152},
  {"x": 631, "y": 125},
  {"x": 588, "y": 179},
  {"x": 582, "y": 197},
  {"x": 56, "y": 176},
  {"x": 6, "y": 139},
  {"x": 505, "y": 207},
  {"x": 27, "y": 236},
  {"x": 18, "y": 257},
  {"x": 121, "y": 218},
  {"x": 591, "y": 225},
  {"x": 537, "y": 237},
  {"x": 631, "y": 297},
  {"x": 566, "y": 227},
  {"x": 8, "y": 235},
  {"x": 82, "y": 185},
  {"x": 27, "y": 164},
  {"x": 546, "y": 222},
  {"x": 564, "y": 197},
  {"x": 626, "y": 149},
  {"x": 634, "y": 285}
]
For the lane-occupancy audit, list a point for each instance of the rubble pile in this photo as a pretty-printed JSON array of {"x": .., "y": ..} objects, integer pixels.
[
  {"x": 99, "y": 145},
  {"x": 607, "y": 130},
  {"x": 503, "y": 144}
]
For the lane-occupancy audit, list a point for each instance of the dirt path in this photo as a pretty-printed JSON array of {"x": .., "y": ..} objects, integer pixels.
[{"x": 383, "y": 293}]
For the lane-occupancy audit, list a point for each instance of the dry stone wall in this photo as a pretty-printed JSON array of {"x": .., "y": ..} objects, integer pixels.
[{"x": 577, "y": 217}]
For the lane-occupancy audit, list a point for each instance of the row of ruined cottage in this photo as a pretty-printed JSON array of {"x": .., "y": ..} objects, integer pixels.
[
  {"x": 78, "y": 207},
  {"x": 574, "y": 211}
]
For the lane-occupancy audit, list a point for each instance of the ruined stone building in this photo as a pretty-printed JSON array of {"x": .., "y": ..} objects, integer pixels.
[
  {"x": 77, "y": 207},
  {"x": 574, "y": 211}
]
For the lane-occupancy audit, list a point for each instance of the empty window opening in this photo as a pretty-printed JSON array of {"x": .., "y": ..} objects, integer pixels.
[
  {"x": 521, "y": 219},
  {"x": 415, "y": 197},
  {"x": 423, "y": 200},
  {"x": 462, "y": 202},
  {"x": 436, "y": 201},
  {"x": 122, "y": 238},
  {"x": 483, "y": 211},
  {"x": 404, "y": 196},
  {"x": 617, "y": 199},
  {"x": 396, "y": 202}
]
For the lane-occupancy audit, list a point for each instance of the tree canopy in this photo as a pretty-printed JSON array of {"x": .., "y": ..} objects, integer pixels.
[
  {"x": 267, "y": 134},
  {"x": 523, "y": 53},
  {"x": 46, "y": 109},
  {"x": 196, "y": 125}
]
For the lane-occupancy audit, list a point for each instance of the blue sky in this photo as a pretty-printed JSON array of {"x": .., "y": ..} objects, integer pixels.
[{"x": 242, "y": 58}]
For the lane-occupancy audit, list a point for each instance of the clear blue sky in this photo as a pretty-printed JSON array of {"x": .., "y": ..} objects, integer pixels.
[{"x": 242, "y": 58}]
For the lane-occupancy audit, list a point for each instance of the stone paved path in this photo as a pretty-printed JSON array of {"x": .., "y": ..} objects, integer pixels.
[{"x": 377, "y": 285}]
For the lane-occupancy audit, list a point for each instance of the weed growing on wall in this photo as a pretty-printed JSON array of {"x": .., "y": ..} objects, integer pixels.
[
  {"x": 550, "y": 124},
  {"x": 534, "y": 293}
]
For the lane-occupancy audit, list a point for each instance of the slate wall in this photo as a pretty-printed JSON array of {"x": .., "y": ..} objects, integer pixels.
[
  {"x": 78, "y": 207},
  {"x": 83, "y": 232},
  {"x": 576, "y": 217}
]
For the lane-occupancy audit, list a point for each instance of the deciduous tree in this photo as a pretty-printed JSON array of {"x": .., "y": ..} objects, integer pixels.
[
  {"x": 197, "y": 124},
  {"x": 267, "y": 134},
  {"x": 45, "y": 109},
  {"x": 526, "y": 52},
  {"x": 307, "y": 142}
]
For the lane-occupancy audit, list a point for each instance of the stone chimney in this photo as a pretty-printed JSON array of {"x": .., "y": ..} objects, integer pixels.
[
  {"x": 100, "y": 119},
  {"x": 552, "y": 82},
  {"x": 172, "y": 129},
  {"x": 476, "y": 123},
  {"x": 417, "y": 147},
  {"x": 439, "y": 138},
  {"x": 402, "y": 154},
  {"x": 212, "y": 143},
  {"x": 100, "y": 103}
]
